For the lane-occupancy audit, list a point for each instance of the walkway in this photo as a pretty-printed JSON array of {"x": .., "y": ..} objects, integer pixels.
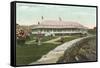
[
  {"x": 55, "y": 54},
  {"x": 54, "y": 40},
  {"x": 49, "y": 41}
]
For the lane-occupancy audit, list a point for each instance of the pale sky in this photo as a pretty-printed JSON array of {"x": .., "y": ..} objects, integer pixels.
[{"x": 29, "y": 14}]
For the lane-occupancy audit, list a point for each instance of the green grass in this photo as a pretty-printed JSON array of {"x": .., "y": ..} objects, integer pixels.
[
  {"x": 43, "y": 38},
  {"x": 48, "y": 38},
  {"x": 92, "y": 31},
  {"x": 29, "y": 53}
]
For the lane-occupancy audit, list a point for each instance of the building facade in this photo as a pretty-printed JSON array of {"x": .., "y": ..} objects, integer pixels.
[{"x": 53, "y": 27}]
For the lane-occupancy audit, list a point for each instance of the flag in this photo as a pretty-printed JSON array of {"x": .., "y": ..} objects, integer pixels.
[
  {"x": 60, "y": 19},
  {"x": 42, "y": 17}
]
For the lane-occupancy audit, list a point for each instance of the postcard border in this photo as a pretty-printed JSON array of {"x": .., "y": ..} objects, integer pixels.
[{"x": 13, "y": 32}]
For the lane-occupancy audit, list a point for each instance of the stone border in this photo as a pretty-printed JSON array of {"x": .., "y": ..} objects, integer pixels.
[{"x": 54, "y": 55}]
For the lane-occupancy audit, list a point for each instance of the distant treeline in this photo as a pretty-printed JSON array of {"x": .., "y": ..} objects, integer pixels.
[{"x": 92, "y": 31}]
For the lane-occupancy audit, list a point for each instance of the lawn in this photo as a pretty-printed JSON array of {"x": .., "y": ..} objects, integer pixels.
[
  {"x": 43, "y": 38},
  {"x": 28, "y": 53}
]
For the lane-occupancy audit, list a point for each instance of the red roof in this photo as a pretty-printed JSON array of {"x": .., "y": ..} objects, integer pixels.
[{"x": 58, "y": 24}]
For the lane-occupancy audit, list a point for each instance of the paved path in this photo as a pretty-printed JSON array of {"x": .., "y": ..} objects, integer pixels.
[
  {"x": 52, "y": 40},
  {"x": 55, "y": 39},
  {"x": 49, "y": 41},
  {"x": 55, "y": 54}
]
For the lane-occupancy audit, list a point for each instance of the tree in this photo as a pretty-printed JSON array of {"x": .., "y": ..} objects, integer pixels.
[{"x": 21, "y": 36}]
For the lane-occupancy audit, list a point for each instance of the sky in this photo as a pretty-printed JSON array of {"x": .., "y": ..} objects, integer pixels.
[{"x": 29, "y": 14}]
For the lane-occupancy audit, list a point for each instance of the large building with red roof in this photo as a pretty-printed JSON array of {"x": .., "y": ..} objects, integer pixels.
[{"x": 53, "y": 27}]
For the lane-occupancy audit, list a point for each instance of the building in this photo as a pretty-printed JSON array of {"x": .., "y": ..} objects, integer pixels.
[{"x": 53, "y": 27}]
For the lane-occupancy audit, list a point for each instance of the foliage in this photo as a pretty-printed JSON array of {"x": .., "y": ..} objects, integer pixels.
[{"x": 92, "y": 31}]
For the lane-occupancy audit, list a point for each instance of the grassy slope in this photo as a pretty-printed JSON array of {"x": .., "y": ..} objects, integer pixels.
[{"x": 26, "y": 54}]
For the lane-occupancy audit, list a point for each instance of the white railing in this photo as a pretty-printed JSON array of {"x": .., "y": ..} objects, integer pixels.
[{"x": 57, "y": 32}]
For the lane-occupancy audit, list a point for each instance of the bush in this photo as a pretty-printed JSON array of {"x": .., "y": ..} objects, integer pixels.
[{"x": 21, "y": 36}]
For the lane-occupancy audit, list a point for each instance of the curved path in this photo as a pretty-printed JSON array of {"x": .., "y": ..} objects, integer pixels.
[{"x": 55, "y": 54}]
